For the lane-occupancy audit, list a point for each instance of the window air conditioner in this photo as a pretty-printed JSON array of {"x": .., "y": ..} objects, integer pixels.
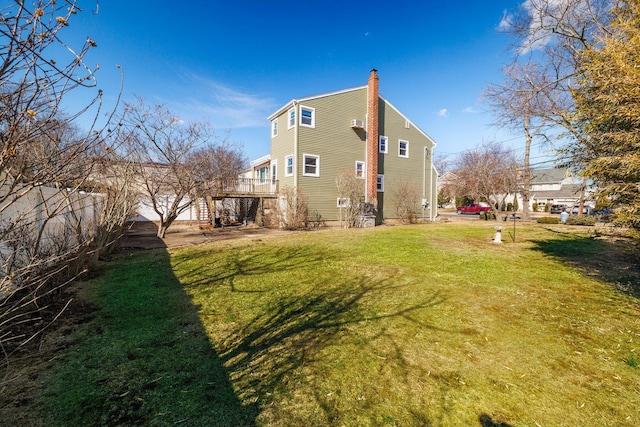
[{"x": 355, "y": 123}]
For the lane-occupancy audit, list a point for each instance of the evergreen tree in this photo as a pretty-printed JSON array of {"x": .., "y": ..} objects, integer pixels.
[{"x": 608, "y": 106}]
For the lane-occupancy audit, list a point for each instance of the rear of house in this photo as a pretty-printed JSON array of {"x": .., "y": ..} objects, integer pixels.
[{"x": 353, "y": 131}]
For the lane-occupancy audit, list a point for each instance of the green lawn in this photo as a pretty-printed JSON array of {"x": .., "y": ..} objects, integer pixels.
[{"x": 429, "y": 325}]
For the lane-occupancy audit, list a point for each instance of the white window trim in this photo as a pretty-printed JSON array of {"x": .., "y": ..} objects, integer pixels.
[
  {"x": 386, "y": 144},
  {"x": 274, "y": 170},
  {"x": 304, "y": 165},
  {"x": 364, "y": 169},
  {"x": 343, "y": 202},
  {"x": 400, "y": 141},
  {"x": 286, "y": 168},
  {"x": 291, "y": 123},
  {"x": 313, "y": 117},
  {"x": 381, "y": 179},
  {"x": 274, "y": 128}
]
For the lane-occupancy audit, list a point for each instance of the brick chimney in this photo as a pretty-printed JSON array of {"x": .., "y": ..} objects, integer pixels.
[{"x": 372, "y": 139}]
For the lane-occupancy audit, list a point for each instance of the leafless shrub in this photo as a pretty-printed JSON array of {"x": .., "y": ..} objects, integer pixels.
[
  {"x": 293, "y": 209},
  {"x": 351, "y": 195},
  {"x": 49, "y": 218},
  {"x": 406, "y": 202}
]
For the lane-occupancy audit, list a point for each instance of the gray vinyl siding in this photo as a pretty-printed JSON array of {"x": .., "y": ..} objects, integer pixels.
[
  {"x": 337, "y": 144},
  {"x": 281, "y": 147},
  {"x": 339, "y": 147},
  {"x": 399, "y": 171}
]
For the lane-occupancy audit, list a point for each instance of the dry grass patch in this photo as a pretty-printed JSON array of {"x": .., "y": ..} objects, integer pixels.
[{"x": 430, "y": 325}]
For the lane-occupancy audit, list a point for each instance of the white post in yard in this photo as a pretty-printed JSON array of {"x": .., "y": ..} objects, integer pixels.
[{"x": 498, "y": 237}]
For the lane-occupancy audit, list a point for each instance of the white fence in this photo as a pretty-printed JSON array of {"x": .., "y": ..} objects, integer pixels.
[{"x": 42, "y": 222}]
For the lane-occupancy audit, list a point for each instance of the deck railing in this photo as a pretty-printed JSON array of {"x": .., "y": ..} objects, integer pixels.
[{"x": 246, "y": 187}]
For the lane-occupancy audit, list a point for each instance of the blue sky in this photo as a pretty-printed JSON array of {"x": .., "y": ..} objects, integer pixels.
[{"x": 233, "y": 63}]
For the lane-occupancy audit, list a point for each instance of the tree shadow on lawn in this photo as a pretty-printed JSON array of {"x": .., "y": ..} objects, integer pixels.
[
  {"x": 146, "y": 359},
  {"x": 265, "y": 356},
  {"x": 613, "y": 261},
  {"x": 236, "y": 265}
]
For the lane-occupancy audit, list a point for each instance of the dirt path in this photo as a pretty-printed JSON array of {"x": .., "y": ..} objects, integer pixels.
[{"x": 142, "y": 235}]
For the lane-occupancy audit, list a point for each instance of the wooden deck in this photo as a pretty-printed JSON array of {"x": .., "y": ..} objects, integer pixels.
[{"x": 245, "y": 187}]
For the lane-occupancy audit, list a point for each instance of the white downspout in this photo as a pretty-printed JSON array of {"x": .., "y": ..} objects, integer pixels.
[
  {"x": 434, "y": 200},
  {"x": 295, "y": 144}
]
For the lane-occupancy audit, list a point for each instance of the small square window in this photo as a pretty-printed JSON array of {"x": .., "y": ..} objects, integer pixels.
[
  {"x": 343, "y": 202},
  {"x": 311, "y": 165},
  {"x": 292, "y": 118},
  {"x": 307, "y": 116},
  {"x": 384, "y": 144},
  {"x": 288, "y": 161},
  {"x": 274, "y": 128},
  {"x": 360, "y": 172},
  {"x": 403, "y": 148},
  {"x": 380, "y": 183}
]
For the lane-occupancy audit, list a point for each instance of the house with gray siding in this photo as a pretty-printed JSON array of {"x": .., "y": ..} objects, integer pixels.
[{"x": 314, "y": 139}]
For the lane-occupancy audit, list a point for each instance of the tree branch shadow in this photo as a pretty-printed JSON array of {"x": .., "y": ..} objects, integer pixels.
[{"x": 615, "y": 262}]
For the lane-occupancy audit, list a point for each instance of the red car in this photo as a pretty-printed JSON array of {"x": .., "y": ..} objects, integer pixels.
[{"x": 475, "y": 209}]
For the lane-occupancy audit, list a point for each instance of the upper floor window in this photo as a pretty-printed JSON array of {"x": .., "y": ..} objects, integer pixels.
[
  {"x": 292, "y": 118},
  {"x": 288, "y": 161},
  {"x": 307, "y": 116},
  {"x": 380, "y": 183},
  {"x": 359, "y": 169},
  {"x": 311, "y": 165},
  {"x": 384, "y": 144},
  {"x": 274, "y": 127},
  {"x": 403, "y": 148}
]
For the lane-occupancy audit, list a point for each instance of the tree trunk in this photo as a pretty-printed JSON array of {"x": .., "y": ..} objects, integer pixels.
[
  {"x": 526, "y": 173},
  {"x": 162, "y": 229}
]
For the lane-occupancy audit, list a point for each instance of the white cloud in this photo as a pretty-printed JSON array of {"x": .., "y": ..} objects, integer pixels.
[
  {"x": 470, "y": 110},
  {"x": 443, "y": 112},
  {"x": 543, "y": 17},
  {"x": 224, "y": 106}
]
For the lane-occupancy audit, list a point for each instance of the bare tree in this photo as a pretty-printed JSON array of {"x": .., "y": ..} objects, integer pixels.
[
  {"x": 520, "y": 104},
  {"x": 489, "y": 173},
  {"x": 351, "y": 195},
  {"x": 537, "y": 95},
  {"x": 163, "y": 147},
  {"x": 49, "y": 217},
  {"x": 224, "y": 159}
]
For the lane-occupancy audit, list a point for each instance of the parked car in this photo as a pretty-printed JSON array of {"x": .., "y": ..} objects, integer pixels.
[
  {"x": 475, "y": 209},
  {"x": 602, "y": 212},
  {"x": 576, "y": 209},
  {"x": 556, "y": 209}
]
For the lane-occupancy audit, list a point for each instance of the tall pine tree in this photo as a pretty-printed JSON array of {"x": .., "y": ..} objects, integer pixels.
[{"x": 608, "y": 107}]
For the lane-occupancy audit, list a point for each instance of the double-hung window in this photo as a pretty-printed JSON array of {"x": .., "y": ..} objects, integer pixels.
[
  {"x": 403, "y": 148},
  {"x": 262, "y": 174},
  {"x": 291, "y": 122},
  {"x": 380, "y": 183},
  {"x": 288, "y": 161},
  {"x": 360, "y": 169},
  {"x": 307, "y": 116},
  {"x": 384, "y": 144},
  {"x": 274, "y": 128},
  {"x": 311, "y": 165}
]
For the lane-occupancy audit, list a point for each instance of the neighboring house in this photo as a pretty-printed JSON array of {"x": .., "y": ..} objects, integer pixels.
[
  {"x": 314, "y": 139},
  {"x": 557, "y": 186}
]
